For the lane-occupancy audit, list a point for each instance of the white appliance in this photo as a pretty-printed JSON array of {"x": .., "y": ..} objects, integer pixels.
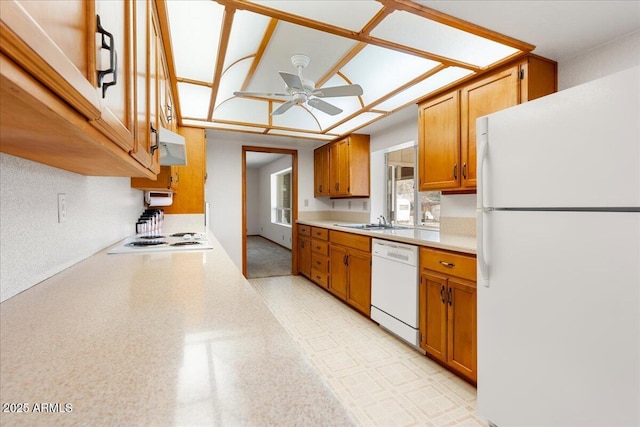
[
  {"x": 559, "y": 258},
  {"x": 394, "y": 289},
  {"x": 166, "y": 242}
]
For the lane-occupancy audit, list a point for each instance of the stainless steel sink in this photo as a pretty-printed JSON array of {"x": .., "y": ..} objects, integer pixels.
[{"x": 372, "y": 226}]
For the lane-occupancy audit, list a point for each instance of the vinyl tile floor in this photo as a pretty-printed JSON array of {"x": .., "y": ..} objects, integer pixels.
[{"x": 380, "y": 379}]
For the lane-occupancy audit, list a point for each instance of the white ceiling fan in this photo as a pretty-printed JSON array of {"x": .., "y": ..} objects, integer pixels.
[{"x": 302, "y": 90}]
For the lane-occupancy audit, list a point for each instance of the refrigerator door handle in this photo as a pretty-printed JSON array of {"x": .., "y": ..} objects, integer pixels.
[{"x": 482, "y": 126}]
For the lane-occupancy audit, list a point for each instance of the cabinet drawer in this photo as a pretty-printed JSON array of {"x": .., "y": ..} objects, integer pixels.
[
  {"x": 320, "y": 278},
  {"x": 319, "y": 233},
  {"x": 350, "y": 240},
  {"x": 304, "y": 230},
  {"x": 320, "y": 247},
  {"x": 320, "y": 263},
  {"x": 450, "y": 263}
]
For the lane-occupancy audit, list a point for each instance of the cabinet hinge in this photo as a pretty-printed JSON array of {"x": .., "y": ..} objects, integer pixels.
[{"x": 522, "y": 74}]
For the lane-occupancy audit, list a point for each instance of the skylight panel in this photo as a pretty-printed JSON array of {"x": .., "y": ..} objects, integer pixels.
[
  {"x": 243, "y": 110},
  {"x": 397, "y": 68},
  {"x": 194, "y": 100},
  {"x": 246, "y": 34},
  {"x": 232, "y": 79},
  {"x": 431, "y": 36},
  {"x": 296, "y": 117},
  {"x": 424, "y": 88},
  {"x": 195, "y": 32}
]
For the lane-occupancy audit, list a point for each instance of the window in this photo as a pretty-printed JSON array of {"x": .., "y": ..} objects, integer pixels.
[
  {"x": 281, "y": 197},
  {"x": 404, "y": 204}
]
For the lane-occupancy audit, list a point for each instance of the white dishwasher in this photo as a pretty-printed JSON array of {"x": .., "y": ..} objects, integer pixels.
[{"x": 394, "y": 289}]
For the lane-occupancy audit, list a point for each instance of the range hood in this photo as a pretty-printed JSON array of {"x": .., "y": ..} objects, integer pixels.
[{"x": 173, "y": 151}]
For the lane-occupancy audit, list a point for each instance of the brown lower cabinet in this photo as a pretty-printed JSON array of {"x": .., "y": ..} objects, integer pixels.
[
  {"x": 448, "y": 310},
  {"x": 338, "y": 262}
]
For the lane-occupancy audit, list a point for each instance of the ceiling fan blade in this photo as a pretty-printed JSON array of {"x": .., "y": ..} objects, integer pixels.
[
  {"x": 292, "y": 80},
  {"x": 324, "y": 106},
  {"x": 261, "y": 94},
  {"x": 334, "y": 91},
  {"x": 283, "y": 108}
]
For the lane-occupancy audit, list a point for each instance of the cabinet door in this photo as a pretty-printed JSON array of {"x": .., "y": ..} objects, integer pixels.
[
  {"x": 339, "y": 168},
  {"x": 321, "y": 172},
  {"x": 433, "y": 315},
  {"x": 50, "y": 41},
  {"x": 487, "y": 96},
  {"x": 461, "y": 327},
  {"x": 145, "y": 53},
  {"x": 304, "y": 255},
  {"x": 439, "y": 143},
  {"x": 359, "y": 291},
  {"x": 115, "y": 88},
  {"x": 339, "y": 274}
]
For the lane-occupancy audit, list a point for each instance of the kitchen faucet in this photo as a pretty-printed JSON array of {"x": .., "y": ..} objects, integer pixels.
[{"x": 382, "y": 220}]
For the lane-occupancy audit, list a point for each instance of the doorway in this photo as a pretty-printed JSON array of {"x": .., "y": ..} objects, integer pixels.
[{"x": 269, "y": 211}]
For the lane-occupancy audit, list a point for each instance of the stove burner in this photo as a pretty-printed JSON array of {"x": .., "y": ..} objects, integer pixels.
[
  {"x": 181, "y": 234},
  {"x": 142, "y": 243},
  {"x": 152, "y": 237},
  {"x": 189, "y": 243}
]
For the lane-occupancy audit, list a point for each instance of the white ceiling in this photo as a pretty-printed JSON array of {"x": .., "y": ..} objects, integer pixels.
[
  {"x": 557, "y": 29},
  {"x": 256, "y": 159}
]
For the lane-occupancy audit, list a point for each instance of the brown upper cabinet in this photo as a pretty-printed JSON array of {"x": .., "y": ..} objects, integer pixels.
[
  {"x": 321, "y": 157},
  {"x": 447, "y": 123},
  {"x": 341, "y": 168},
  {"x": 85, "y": 71}
]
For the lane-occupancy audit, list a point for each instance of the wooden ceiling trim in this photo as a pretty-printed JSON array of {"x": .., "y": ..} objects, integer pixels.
[
  {"x": 193, "y": 82},
  {"x": 451, "y": 21},
  {"x": 341, "y": 63},
  {"x": 342, "y": 32},
  {"x": 377, "y": 19},
  {"x": 261, "y": 126},
  {"x": 165, "y": 37},
  {"x": 225, "y": 32},
  {"x": 271, "y": 27}
]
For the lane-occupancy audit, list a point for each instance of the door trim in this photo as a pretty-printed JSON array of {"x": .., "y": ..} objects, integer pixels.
[{"x": 294, "y": 203}]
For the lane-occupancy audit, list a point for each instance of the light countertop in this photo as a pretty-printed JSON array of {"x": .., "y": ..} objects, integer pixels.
[
  {"x": 160, "y": 339},
  {"x": 415, "y": 236}
]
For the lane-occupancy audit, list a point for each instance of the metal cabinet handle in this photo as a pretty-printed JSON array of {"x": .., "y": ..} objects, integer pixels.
[
  {"x": 153, "y": 148},
  {"x": 344, "y": 260},
  {"x": 449, "y": 299},
  {"x": 337, "y": 186},
  {"x": 347, "y": 257},
  {"x": 442, "y": 294},
  {"x": 177, "y": 177},
  {"x": 113, "y": 59},
  {"x": 464, "y": 170},
  {"x": 447, "y": 264},
  {"x": 455, "y": 171}
]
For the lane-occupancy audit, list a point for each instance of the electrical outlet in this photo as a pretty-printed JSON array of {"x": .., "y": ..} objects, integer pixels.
[
  {"x": 333, "y": 205},
  {"x": 62, "y": 207},
  {"x": 349, "y": 204},
  {"x": 306, "y": 203},
  {"x": 364, "y": 206}
]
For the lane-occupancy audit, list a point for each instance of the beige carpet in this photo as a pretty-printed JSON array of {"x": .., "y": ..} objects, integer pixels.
[{"x": 266, "y": 259}]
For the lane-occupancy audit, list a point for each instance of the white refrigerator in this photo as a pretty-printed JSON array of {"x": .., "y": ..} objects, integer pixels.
[{"x": 559, "y": 258}]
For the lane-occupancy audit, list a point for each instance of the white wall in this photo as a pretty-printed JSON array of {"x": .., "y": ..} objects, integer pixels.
[
  {"x": 602, "y": 60},
  {"x": 34, "y": 246},
  {"x": 224, "y": 188},
  {"x": 280, "y": 234},
  {"x": 253, "y": 207}
]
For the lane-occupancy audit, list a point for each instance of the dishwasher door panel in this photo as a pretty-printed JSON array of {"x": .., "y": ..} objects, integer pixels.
[{"x": 394, "y": 289}]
